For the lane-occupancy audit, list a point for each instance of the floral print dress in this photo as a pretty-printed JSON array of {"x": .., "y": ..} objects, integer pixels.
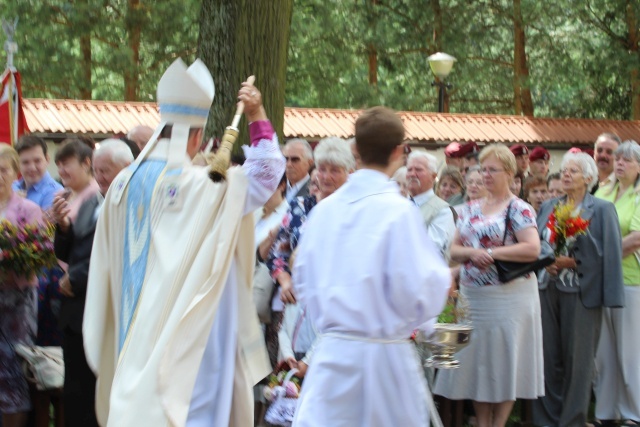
[
  {"x": 278, "y": 261},
  {"x": 487, "y": 231},
  {"x": 18, "y": 318}
]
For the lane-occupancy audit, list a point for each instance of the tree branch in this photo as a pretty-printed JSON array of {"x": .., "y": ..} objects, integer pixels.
[
  {"x": 495, "y": 61},
  {"x": 600, "y": 24},
  {"x": 410, "y": 20}
]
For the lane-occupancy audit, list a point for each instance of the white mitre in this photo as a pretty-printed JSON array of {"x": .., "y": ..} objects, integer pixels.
[
  {"x": 184, "y": 97},
  {"x": 185, "y": 94}
]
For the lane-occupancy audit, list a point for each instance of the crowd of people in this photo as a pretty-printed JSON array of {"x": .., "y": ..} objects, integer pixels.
[{"x": 348, "y": 249}]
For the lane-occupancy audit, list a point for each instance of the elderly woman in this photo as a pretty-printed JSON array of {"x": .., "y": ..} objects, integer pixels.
[
  {"x": 451, "y": 186},
  {"x": 74, "y": 161},
  {"x": 334, "y": 162},
  {"x": 18, "y": 317},
  {"x": 586, "y": 277},
  {"x": 497, "y": 367},
  {"x": 474, "y": 184},
  {"x": 617, "y": 385}
]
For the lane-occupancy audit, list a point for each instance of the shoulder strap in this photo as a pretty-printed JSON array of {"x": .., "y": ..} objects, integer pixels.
[{"x": 507, "y": 222}]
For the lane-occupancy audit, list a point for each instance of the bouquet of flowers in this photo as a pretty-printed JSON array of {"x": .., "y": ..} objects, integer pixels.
[
  {"x": 26, "y": 248},
  {"x": 565, "y": 227},
  {"x": 282, "y": 392}
]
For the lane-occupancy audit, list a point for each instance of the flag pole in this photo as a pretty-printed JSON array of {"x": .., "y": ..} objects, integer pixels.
[{"x": 11, "y": 47}]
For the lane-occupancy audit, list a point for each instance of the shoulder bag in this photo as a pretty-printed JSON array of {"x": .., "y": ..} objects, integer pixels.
[{"x": 510, "y": 270}]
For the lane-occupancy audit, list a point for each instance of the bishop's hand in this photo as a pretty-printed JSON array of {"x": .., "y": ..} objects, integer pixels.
[{"x": 252, "y": 99}]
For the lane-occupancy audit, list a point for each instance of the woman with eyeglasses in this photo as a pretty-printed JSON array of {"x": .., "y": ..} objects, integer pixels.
[
  {"x": 334, "y": 162},
  {"x": 503, "y": 361},
  {"x": 586, "y": 277},
  {"x": 474, "y": 184},
  {"x": 617, "y": 385}
]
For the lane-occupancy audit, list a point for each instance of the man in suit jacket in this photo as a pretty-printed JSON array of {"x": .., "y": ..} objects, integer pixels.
[
  {"x": 73, "y": 243},
  {"x": 437, "y": 214},
  {"x": 299, "y": 158}
]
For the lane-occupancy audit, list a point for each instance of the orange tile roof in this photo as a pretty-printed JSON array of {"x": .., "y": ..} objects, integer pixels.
[{"x": 53, "y": 117}]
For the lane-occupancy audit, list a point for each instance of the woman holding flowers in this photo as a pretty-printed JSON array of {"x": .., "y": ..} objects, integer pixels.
[
  {"x": 586, "y": 277},
  {"x": 18, "y": 305},
  {"x": 617, "y": 385},
  {"x": 503, "y": 361}
]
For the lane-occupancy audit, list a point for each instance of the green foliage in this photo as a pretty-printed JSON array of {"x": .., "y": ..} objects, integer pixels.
[
  {"x": 578, "y": 62},
  {"x": 50, "y": 57},
  {"x": 581, "y": 54}
]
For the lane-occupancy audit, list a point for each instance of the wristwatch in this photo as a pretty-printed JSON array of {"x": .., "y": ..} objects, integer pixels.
[{"x": 490, "y": 252}]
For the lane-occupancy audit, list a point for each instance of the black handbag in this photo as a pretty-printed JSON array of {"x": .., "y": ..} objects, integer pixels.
[{"x": 510, "y": 270}]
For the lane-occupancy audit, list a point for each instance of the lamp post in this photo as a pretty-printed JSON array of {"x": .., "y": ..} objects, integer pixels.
[{"x": 441, "y": 65}]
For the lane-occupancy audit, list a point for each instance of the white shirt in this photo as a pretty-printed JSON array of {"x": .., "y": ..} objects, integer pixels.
[
  {"x": 264, "y": 225},
  {"x": 368, "y": 275},
  {"x": 292, "y": 190},
  {"x": 442, "y": 228}
]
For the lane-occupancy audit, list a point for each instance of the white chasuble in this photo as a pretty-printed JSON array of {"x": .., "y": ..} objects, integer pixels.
[{"x": 169, "y": 285}]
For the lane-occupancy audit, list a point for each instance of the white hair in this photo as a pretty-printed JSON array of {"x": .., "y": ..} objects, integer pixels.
[
  {"x": 308, "y": 151},
  {"x": 118, "y": 150},
  {"x": 628, "y": 150},
  {"x": 586, "y": 163},
  {"x": 335, "y": 151},
  {"x": 432, "y": 162},
  {"x": 400, "y": 175}
]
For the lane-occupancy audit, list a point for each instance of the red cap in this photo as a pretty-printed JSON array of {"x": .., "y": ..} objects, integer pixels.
[
  {"x": 519, "y": 149},
  {"x": 539, "y": 153},
  {"x": 452, "y": 150},
  {"x": 468, "y": 148},
  {"x": 575, "y": 150}
]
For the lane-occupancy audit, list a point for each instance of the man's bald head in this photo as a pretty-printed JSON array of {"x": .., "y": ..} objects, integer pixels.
[{"x": 140, "y": 135}]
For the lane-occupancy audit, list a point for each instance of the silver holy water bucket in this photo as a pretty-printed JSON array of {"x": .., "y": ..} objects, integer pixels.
[{"x": 445, "y": 342}]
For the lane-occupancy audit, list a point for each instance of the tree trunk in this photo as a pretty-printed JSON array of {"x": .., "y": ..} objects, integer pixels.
[
  {"x": 85, "y": 48},
  {"x": 239, "y": 38},
  {"x": 373, "y": 65},
  {"x": 634, "y": 48},
  {"x": 522, "y": 93},
  {"x": 371, "y": 48},
  {"x": 87, "y": 60},
  {"x": 437, "y": 26},
  {"x": 133, "y": 26}
]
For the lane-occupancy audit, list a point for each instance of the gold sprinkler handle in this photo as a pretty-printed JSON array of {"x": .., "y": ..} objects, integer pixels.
[{"x": 219, "y": 163}]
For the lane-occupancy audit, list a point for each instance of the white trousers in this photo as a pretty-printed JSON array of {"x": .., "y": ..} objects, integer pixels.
[{"x": 617, "y": 384}]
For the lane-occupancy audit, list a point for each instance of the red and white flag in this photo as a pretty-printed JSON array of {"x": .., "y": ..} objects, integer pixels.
[{"x": 13, "y": 123}]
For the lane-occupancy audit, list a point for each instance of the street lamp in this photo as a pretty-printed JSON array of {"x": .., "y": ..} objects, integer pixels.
[{"x": 441, "y": 65}]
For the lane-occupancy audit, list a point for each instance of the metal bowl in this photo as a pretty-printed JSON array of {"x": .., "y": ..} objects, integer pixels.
[{"x": 445, "y": 342}]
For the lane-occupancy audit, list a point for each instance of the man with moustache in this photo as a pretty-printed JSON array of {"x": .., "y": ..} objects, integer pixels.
[
  {"x": 437, "y": 214},
  {"x": 605, "y": 146}
]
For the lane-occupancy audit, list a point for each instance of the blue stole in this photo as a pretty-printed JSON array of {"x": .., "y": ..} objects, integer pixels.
[{"x": 137, "y": 240}]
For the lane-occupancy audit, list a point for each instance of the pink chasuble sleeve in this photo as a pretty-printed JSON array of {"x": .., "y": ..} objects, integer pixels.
[{"x": 264, "y": 165}]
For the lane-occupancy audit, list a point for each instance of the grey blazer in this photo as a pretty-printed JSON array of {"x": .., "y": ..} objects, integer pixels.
[{"x": 598, "y": 254}]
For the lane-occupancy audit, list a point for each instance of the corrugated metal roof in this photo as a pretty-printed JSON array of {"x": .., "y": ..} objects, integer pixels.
[{"x": 52, "y": 117}]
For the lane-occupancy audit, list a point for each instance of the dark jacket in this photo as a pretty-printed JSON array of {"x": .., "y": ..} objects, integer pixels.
[
  {"x": 598, "y": 253},
  {"x": 74, "y": 248}
]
